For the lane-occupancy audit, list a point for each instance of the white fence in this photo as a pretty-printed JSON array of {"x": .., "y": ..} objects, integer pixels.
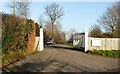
[
  {"x": 82, "y": 41},
  {"x": 103, "y": 43}
]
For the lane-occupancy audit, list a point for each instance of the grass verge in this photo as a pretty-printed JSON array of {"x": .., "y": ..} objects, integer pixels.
[{"x": 108, "y": 53}]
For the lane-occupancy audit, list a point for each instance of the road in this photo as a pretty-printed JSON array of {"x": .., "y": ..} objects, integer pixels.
[{"x": 62, "y": 58}]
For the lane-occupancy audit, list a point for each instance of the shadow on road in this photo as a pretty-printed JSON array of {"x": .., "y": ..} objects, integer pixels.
[
  {"x": 67, "y": 47},
  {"x": 29, "y": 67}
]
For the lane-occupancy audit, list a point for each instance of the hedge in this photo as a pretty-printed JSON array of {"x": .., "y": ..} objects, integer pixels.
[{"x": 15, "y": 32}]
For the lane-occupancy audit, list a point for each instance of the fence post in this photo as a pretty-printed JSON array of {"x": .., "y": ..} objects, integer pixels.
[{"x": 41, "y": 45}]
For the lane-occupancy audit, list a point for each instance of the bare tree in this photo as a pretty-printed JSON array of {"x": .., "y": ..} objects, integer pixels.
[
  {"x": 109, "y": 20},
  {"x": 59, "y": 35},
  {"x": 1, "y": 35},
  {"x": 42, "y": 21},
  {"x": 95, "y": 31},
  {"x": 117, "y": 32},
  {"x": 57, "y": 28},
  {"x": 23, "y": 8},
  {"x": 12, "y": 5},
  {"x": 20, "y": 8},
  {"x": 54, "y": 12}
]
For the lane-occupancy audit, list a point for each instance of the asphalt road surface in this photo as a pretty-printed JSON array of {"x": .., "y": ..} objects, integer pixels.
[{"x": 62, "y": 58}]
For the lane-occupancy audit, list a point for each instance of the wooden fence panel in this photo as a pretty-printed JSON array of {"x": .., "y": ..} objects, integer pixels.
[{"x": 105, "y": 43}]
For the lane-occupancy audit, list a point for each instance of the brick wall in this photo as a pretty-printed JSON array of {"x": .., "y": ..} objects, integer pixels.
[{"x": 31, "y": 40}]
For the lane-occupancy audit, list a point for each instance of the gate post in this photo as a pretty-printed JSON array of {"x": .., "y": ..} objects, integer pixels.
[
  {"x": 86, "y": 41},
  {"x": 41, "y": 45}
]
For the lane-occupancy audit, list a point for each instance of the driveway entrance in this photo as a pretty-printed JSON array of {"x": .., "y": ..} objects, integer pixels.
[{"x": 62, "y": 58}]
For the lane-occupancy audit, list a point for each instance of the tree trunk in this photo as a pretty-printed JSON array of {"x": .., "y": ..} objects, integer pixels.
[{"x": 52, "y": 30}]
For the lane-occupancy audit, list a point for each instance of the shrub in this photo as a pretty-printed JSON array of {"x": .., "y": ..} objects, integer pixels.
[
  {"x": 15, "y": 32},
  {"x": 12, "y": 56}
]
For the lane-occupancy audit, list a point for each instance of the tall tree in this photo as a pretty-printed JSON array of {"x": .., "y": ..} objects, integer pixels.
[
  {"x": 109, "y": 20},
  {"x": 48, "y": 27},
  {"x": 20, "y": 8},
  {"x": 117, "y": 32},
  {"x": 59, "y": 35},
  {"x": 42, "y": 21},
  {"x": 54, "y": 12},
  {"x": 37, "y": 29},
  {"x": 95, "y": 31},
  {"x": 23, "y": 8},
  {"x": 13, "y": 6},
  {"x": 1, "y": 27}
]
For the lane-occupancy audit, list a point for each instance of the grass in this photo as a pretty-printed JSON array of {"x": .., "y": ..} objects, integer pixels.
[{"x": 108, "y": 53}]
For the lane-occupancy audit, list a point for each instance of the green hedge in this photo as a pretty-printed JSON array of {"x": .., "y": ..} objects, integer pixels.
[
  {"x": 15, "y": 32},
  {"x": 12, "y": 56},
  {"x": 109, "y": 53}
]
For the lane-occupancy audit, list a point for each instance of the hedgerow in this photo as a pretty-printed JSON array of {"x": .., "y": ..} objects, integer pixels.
[{"x": 15, "y": 32}]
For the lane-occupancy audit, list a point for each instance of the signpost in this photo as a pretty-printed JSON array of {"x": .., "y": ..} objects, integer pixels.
[{"x": 96, "y": 42}]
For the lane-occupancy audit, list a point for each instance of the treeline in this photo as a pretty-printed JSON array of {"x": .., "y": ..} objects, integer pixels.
[
  {"x": 58, "y": 36},
  {"x": 15, "y": 32},
  {"x": 109, "y": 22}
]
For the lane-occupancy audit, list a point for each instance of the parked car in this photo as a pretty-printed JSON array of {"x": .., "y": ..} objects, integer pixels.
[{"x": 50, "y": 41}]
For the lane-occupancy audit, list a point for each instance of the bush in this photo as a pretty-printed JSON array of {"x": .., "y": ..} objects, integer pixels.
[
  {"x": 37, "y": 29},
  {"x": 15, "y": 32},
  {"x": 12, "y": 56}
]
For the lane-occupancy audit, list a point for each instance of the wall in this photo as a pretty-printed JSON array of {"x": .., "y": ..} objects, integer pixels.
[
  {"x": 31, "y": 40},
  {"x": 105, "y": 43},
  {"x": 37, "y": 43}
]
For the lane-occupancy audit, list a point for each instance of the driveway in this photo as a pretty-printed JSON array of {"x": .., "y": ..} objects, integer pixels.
[{"x": 62, "y": 58}]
